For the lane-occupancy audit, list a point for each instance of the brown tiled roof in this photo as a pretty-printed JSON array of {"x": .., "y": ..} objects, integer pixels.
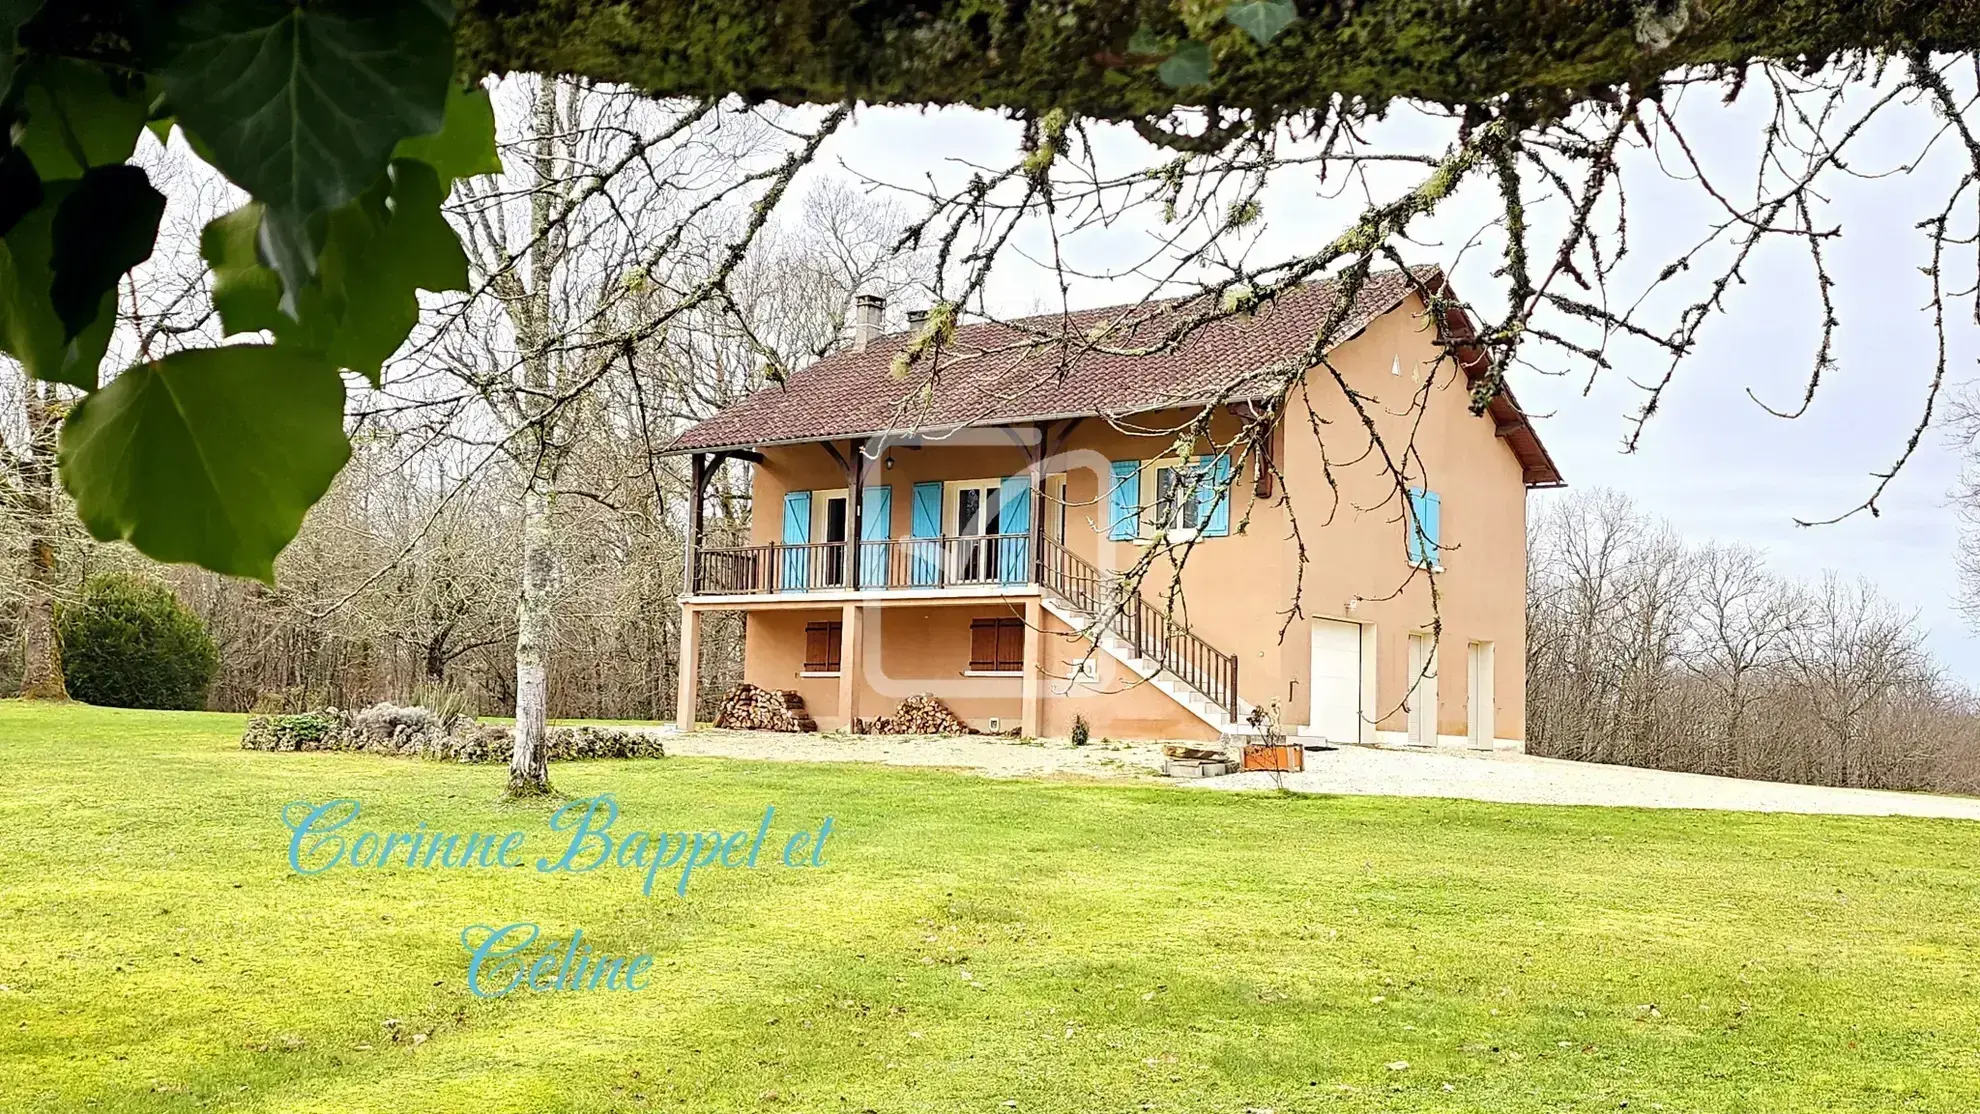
[{"x": 1041, "y": 368}]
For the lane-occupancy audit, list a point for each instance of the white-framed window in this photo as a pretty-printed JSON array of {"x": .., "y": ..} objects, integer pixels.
[
  {"x": 1173, "y": 492},
  {"x": 1055, "y": 507},
  {"x": 973, "y": 512}
]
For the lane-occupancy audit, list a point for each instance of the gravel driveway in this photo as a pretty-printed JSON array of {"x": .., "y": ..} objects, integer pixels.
[
  {"x": 1521, "y": 779},
  {"x": 985, "y": 754},
  {"x": 1508, "y": 778}
]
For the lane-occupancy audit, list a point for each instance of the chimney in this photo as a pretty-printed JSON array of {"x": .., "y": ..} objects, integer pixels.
[
  {"x": 916, "y": 319},
  {"x": 868, "y": 310}
]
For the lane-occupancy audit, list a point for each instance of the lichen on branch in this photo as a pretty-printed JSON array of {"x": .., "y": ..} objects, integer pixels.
[{"x": 1540, "y": 56}]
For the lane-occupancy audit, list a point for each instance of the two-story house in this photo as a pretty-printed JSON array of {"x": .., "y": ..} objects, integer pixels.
[{"x": 968, "y": 534}]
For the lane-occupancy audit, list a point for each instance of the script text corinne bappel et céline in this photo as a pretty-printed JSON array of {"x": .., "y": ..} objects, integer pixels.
[{"x": 503, "y": 959}]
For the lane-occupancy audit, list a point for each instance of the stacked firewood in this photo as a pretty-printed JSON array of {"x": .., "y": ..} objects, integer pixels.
[
  {"x": 1192, "y": 754},
  {"x": 749, "y": 708},
  {"x": 920, "y": 714}
]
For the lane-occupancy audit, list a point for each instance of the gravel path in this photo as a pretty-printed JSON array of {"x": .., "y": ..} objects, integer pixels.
[
  {"x": 1507, "y": 778},
  {"x": 986, "y": 755},
  {"x": 1521, "y": 779}
]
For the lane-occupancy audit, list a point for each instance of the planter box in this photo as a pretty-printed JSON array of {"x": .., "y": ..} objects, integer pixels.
[
  {"x": 1284, "y": 757},
  {"x": 1196, "y": 767}
]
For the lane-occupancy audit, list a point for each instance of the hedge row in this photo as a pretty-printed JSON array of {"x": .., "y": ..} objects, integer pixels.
[{"x": 413, "y": 732}]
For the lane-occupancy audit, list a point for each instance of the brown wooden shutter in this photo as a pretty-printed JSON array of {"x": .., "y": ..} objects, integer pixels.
[
  {"x": 1010, "y": 645},
  {"x": 983, "y": 644},
  {"x": 821, "y": 647}
]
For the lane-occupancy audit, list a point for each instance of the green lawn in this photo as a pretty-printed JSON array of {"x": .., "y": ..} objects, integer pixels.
[{"x": 1126, "y": 949}]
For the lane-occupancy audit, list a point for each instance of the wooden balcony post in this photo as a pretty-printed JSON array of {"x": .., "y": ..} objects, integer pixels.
[
  {"x": 855, "y": 511},
  {"x": 697, "y": 486},
  {"x": 1036, "y": 478}
]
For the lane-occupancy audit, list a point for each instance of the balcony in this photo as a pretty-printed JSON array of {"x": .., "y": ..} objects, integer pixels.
[{"x": 966, "y": 564}]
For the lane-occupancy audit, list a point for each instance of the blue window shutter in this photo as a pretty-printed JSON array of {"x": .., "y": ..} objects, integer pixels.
[
  {"x": 1213, "y": 501},
  {"x": 925, "y": 521},
  {"x": 1014, "y": 554},
  {"x": 1433, "y": 528},
  {"x": 797, "y": 531},
  {"x": 876, "y": 524},
  {"x": 1418, "y": 524},
  {"x": 1124, "y": 505}
]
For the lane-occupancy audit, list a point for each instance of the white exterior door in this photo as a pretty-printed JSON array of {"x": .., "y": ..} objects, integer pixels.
[
  {"x": 1423, "y": 698},
  {"x": 1336, "y": 689},
  {"x": 1479, "y": 696}
]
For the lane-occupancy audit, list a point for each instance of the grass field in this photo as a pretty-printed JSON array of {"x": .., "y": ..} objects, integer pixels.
[{"x": 968, "y": 945}]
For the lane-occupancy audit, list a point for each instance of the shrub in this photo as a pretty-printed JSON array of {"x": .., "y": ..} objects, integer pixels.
[
  {"x": 129, "y": 643},
  {"x": 289, "y": 701},
  {"x": 414, "y": 732},
  {"x": 1080, "y": 731}
]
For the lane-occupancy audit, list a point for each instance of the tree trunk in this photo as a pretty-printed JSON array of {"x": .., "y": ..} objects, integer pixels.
[
  {"x": 41, "y": 677},
  {"x": 436, "y": 654},
  {"x": 529, "y": 771}
]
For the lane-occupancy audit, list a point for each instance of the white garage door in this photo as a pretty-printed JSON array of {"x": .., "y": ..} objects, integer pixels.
[{"x": 1336, "y": 711}]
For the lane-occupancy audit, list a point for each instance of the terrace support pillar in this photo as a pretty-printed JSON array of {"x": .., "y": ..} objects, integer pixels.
[
  {"x": 1031, "y": 712},
  {"x": 688, "y": 667},
  {"x": 852, "y": 643}
]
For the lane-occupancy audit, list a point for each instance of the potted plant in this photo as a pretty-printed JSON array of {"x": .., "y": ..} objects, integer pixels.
[{"x": 1270, "y": 751}]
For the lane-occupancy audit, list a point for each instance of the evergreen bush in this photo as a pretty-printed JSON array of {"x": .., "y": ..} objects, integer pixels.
[{"x": 129, "y": 643}]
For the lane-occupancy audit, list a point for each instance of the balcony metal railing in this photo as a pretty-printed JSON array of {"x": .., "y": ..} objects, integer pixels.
[
  {"x": 977, "y": 560},
  {"x": 1150, "y": 630}
]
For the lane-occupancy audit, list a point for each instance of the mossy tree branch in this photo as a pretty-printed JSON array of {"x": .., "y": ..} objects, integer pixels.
[{"x": 1539, "y": 55}]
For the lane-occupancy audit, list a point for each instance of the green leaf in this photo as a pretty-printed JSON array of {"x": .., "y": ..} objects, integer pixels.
[
  {"x": 378, "y": 251},
  {"x": 1146, "y": 41},
  {"x": 247, "y": 295},
  {"x": 105, "y": 227},
  {"x": 302, "y": 107},
  {"x": 1189, "y": 65},
  {"x": 414, "y": 248},
  {"x": 210, "y": 455},
  {"x": 30, "y": 331},
  {"x": 1263, "y": 19},
  {"x": 465, "y": 145},
  {"x": 291, "y": 242},
  {"x": 75, "y": 109},
  {"x": 14, "y": 15}
]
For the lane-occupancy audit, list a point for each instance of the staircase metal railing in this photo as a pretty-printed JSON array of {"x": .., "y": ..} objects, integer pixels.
[{"x": 1153, "y": 633}]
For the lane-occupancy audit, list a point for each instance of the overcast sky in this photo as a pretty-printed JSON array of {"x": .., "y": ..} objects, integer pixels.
[{"x": 1713, "y": 463}]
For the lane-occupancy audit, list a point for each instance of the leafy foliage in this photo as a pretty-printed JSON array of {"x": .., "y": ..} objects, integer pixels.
[
  {"x": 1189, "y": 65},
  {"x": 129, "y": 643},
  {"x": 105, "y": 227},
  {"x": 342, "y": 122},
  {"x": 211, "y": 455},
  {"x": 302, "y": 107},
  {"x": 30, "y": 329}
]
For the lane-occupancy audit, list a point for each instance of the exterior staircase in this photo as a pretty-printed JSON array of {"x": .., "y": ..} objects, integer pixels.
[{"x": 1145, "y": 639}]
